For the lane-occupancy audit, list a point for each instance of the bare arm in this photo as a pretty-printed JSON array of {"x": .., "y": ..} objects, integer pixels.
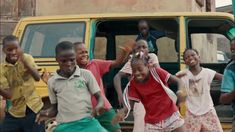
[
  {"x": 6, "y": 93},
  {"x": 117, "y": 85},
  {"x": 218, "y": 76},
  {"x": 34, "y": 72},
  {"x": 99, "y": 99},
  {"x": 99, "y": 109},
  {"x": 181, "y": 93},
  {"x": 227, "y": 98}
]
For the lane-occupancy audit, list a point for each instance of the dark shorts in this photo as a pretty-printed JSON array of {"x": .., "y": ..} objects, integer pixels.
[
  {"x": 106, "y": 118},
  {"x": 24, "y": 124}
]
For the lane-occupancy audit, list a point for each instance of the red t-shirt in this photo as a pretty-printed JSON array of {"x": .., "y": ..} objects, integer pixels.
[
  {"x": 156, "y": 102},
  {"x": 98, "y": 69}
]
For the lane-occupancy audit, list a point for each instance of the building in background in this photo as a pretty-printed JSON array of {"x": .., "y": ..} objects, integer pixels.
[{"x": 12, "y": 10}]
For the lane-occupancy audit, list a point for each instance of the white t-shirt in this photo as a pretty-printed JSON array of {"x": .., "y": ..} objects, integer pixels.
[
  {"x": 198, "y": 99},
  {"x": 153, "y": 59}
]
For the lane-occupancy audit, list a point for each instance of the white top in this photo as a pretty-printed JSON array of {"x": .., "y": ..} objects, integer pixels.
[{"x": 198, "y": 99}]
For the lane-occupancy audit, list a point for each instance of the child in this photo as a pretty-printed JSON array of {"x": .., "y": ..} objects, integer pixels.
[
  {"x": 161, "y": 112},
  {"x": 70, "y": 90},
  {"x": 150, "y": 36},
  {"x": 228, "y": 83},
  {"x": 201, "y": 114},
  {"x": 139, "y": 111},
  {"x": 17, "y": 77},
  {"x": 99, "y": 68}
]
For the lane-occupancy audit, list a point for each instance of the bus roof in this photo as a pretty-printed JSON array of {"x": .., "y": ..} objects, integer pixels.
[{"x": 131, "y": 15}]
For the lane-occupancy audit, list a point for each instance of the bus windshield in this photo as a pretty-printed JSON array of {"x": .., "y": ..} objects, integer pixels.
[{"x": 40, "y": 39}]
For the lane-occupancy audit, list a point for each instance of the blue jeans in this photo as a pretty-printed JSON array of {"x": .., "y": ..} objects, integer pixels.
[{"x": 24, "y": 124}]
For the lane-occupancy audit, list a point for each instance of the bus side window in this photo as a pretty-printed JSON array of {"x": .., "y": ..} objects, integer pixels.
[{"x": 100, "y": 48}]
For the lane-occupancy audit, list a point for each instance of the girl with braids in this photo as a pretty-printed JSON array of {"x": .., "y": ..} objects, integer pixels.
[{"x": 148, "y": 85}]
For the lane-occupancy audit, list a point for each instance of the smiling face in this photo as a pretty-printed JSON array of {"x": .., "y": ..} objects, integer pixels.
[
  {"x": 67, "y": 62},
  {"x": 191, "y": 58},
  {"x": 81, "y": 55},
  {"x": 11, "y": 49},
  {"x": 140, "y": 70}
]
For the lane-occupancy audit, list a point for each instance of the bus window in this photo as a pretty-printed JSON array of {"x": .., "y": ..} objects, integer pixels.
[
  {"x": 122, "y": 39},
  {"x": 100, "y": 48},
  {"x": 40, "y": 39},
  {"x": 217, "y": 44},
  {"x": 167, "y": 50}
]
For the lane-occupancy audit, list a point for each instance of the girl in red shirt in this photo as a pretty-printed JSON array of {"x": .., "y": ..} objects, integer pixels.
[{"x": 161, "y": 112}]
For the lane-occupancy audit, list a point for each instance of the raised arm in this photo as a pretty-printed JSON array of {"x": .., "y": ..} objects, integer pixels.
[
  {"x": 30, "y": 66},
  {"x": 126, "y": 50}
]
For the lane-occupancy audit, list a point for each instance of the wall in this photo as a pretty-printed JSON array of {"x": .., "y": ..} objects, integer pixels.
[
  {"x": 53, "y": 7},
  {"x": 12, "y": 10}
]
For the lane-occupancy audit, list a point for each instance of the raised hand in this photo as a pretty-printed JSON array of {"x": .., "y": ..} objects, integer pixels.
[
  {"x": 128, "y": 46},
  {"x": 45, "y": 76}
]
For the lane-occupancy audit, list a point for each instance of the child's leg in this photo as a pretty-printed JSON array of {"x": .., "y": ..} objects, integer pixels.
[
  {"x": 211, "y": 122},
  {"x": 106, "y": 121},
  {"x": 29, "y": 124},
  {"x": 180, "y": 129},
  {"x": 192, "y": 122},
  {"x": 138, "y": 113},
  {"x": 174, "y": 123}
]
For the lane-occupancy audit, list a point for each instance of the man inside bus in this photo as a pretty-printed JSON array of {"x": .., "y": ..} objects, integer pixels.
[{"x": 149, "y": 35}]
